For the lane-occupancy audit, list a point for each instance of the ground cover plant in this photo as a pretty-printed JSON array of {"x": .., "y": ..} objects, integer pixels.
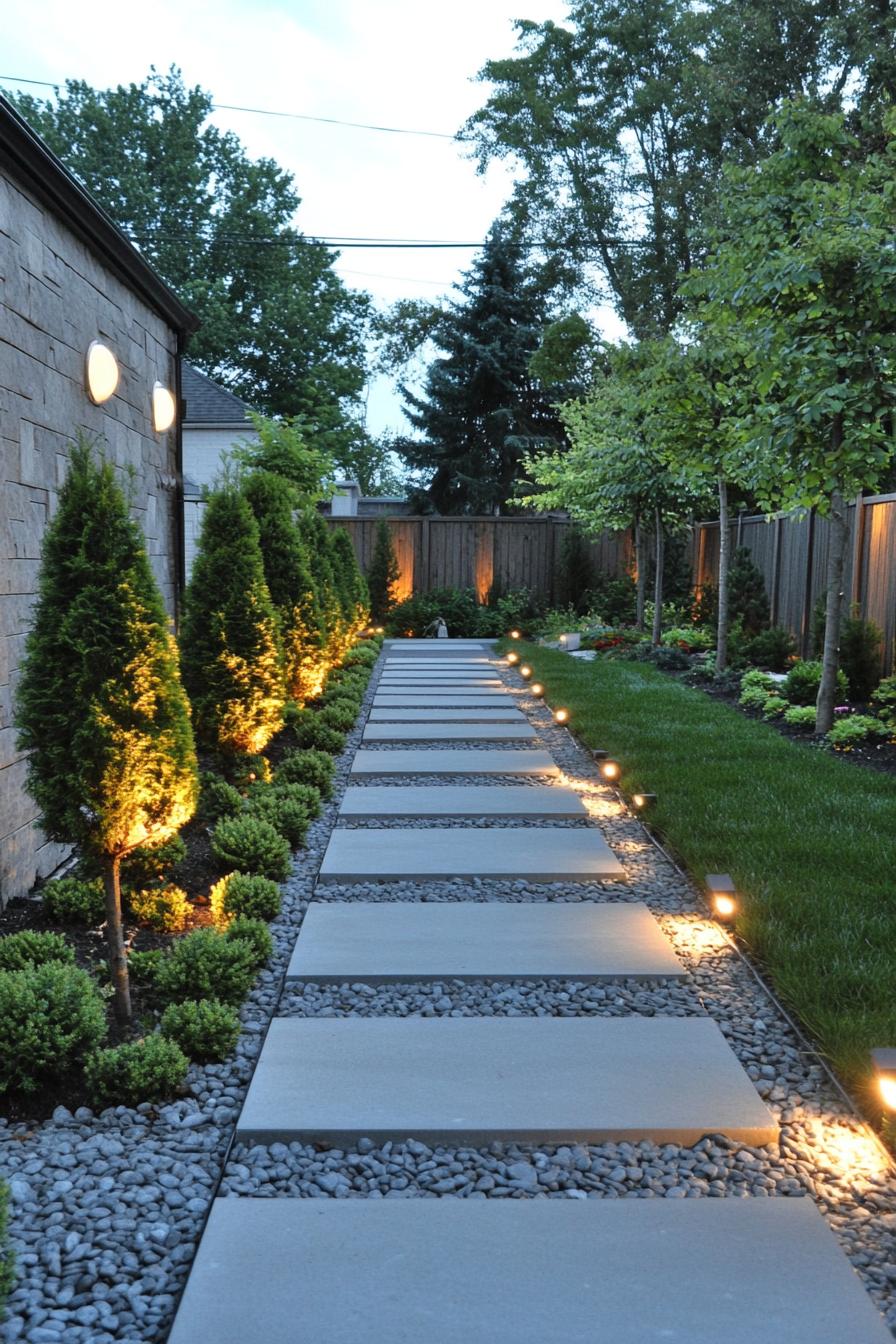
[{"x": 808, "y": 840}]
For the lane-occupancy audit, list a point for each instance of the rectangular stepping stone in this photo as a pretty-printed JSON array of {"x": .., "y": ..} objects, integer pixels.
[
  {"x": 461, "y": 800},
  {"x": 484, "y": 699},
  {"x": 517, "y": 1271},
  {"x": 452, "y": 761},
  {"x": 400, "y": 715},
  {"x": 439, "y": 662},
  {"x": 446, "y": 732},
  {"x": 463, "y": 1080},
  {"x": 437, "y": 678},
  {"x": 459, "y": 940},
  {"x": 513, "y": 853}
]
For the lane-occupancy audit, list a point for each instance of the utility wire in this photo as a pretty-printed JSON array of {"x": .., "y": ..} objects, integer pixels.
[
  {"x": 293, "y": 240},
  {"x": 267, "y": 112}
]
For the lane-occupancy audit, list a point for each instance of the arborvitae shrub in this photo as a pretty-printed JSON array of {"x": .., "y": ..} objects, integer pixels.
[
  {"x": 252, "y": 845},
  {"x": 576, "y": 569},
  {"x": 101, "y": 709},
  {"x": 125, "y": 1075},
  {"x": 69, "y": 900},
  {"x": 747, "y": 598},
  {"x": 162, "y": 909},
  {"x": 312, "y": 731},
  {"x": 350, "y": 582},
  {"x": 205, "y": 965},
  {"x": 232, "y": 661},
  {"x": 315, "y": 534},
  {"x": 205, "y": 1029},
  {"x": 253, "y": 934},
  {"x": 31, "y": 948},
  {"x": 51, "y": 1017},
  {"x": 287, "y": 817},
  {"x": 242, "y": 894},
  {"x": 382, "y": 575},
  {"x": 152, "y": 864},
  {"x": 307, "y": 767},
  {"x": 217, "y": 798}
]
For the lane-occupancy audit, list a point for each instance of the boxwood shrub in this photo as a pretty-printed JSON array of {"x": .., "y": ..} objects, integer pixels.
[
  {"x": 51, "y": 1017},
  {"x": 307, "y": 767},
  {"x": 205, "y": 1029},
  {"x": 205, "y": 965},
  {"x": 242, "y": 894},
  {"x": 72, "y": 900},
  {"x": 253, "y": 934},
  {"x": 32, "y": 948},
  {"x": 148, "y": 1070},
  {"x": 252, "y": 845}
]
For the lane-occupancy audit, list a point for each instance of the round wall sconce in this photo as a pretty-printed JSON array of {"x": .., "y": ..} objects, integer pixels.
[
  {"x": 164, "y": 408},
  {"x": 100, "y": 372}
]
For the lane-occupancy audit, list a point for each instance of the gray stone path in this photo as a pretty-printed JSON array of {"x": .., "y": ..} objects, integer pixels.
[
  {"x": 448, "y": 761},
  {"x": 532, "y": 801},
  {"x": 380, "y": 942},
  {"x": 401, "y": 714},
  {"x": 524, "y": 853},
  {"x": 482, "y": 697},
  {"x": 438, "y": 731}
]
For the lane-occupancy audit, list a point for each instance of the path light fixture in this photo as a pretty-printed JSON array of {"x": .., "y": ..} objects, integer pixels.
[
  {"x": 380, "y": 630},
  {"x": 642, "y": 802},
  {"x": 525, "y": 671},
  {"x": 561, "y": 716},
  {"x": 536, "y": 688},
  {"x": 164, "y": 408},
  {"x": 101, "y": 372},
  {"x": 514, "y": 634},
  {"x": 722, "y": 895},
  {"x": 610, "y": 770},
  {"x": 884, "y": 1062},
  {"x": 513, "y": 658}
]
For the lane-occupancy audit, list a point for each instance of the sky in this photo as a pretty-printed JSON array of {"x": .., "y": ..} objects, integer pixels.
[{"x": 402, "y": 63}]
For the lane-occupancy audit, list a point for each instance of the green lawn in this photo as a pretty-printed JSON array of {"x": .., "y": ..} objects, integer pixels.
[{"x": 809, "y": 839}]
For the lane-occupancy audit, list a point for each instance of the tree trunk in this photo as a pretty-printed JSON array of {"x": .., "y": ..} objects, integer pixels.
[
  {"x": 830, "y": 660},
  {"x": 658, "y": 579},
  {"x": 724, "y": 560},
  {"x": 118, "y": 962},
  {"x": 641, "y": 574}
]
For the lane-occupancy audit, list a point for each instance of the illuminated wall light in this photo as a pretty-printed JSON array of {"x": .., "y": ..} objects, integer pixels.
[
  {"x": 610, "y": 770},
  {"x": 513, "y": 658},
  {"x": 525, "y": 671},
  {"x": 561, "y": 716},
  {"x": 101, "y": 372},
  {"x": 884, "y": 1062},
  {"x": 164, "y": 408},
  {"x": 536, "y": 688},
  {"x": 643, "y": 801},
  {"x": 722, "y": 895}
]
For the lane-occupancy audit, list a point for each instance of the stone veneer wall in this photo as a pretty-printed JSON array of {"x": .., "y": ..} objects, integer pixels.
[{"x": 56, "y": 297}]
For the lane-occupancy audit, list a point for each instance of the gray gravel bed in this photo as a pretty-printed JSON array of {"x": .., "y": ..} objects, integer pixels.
[
  {"x": 107, "y": 1208},
  {"x": 464, "y": 823}
]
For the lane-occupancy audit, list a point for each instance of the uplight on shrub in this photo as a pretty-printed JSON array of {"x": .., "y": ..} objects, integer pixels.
[
  {"x": 884, "y": 1062},
  {"x": 561, "y": 716},
  {"x": 525, "y": 671},
  {"x": 722, "y": 895},
  {"x": 610, "y": 770}
]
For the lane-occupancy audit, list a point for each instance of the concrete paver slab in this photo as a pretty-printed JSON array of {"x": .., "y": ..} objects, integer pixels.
[
  {"x": 399, "y": 714},
  {"x": 464, "y": 1271},
  {"x": 383, "y": 941},
  {"x": 528, "y": 1079},
  {"x": 453, "y": 761},
  {"x": 446, "y": 732},
  {"x": 437, "y": 678},
  {"x": 444, "y": 696},
  {"x": 459, "y": 800}
]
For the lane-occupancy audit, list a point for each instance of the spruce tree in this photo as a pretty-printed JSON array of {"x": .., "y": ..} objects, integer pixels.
[
  {"x": 232, "y": 661},
  {"x": 481, "y": 409},
  {"x": 382, "y": 575},
  {"x": 287, "y": 571},
  {"x": 101, "y": 708}
]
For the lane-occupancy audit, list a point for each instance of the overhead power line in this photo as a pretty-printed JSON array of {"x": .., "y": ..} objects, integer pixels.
[
  {"x": 293, "y": 240},
  {"x": 268, "y": 112}
]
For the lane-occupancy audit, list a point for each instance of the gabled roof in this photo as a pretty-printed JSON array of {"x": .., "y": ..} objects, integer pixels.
[
  {"x": 207, "y": 402},
  {"x": 30, "y": 159}
]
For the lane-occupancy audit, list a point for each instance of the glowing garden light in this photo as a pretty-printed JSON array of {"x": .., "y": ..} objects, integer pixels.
[
  {"x": 513, "y": 658},
  {"x": 884, "y": 1062},
  {"x": 525, "y": 671},
  {"x": 610, "y": 770},
  {"x": 514, "y": 634},
  {"x": 561, "y": 716},
  {"x": 642, "y": 802},
  {"x": 101, "y": 372},
  {"x": 164, "y": 408},
  {"x": 536, "y": 688},
  {"x": 722, "y": 895}
]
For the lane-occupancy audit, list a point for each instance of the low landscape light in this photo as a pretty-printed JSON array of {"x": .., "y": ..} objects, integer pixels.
[
  {"x": 514, "y": 634},
  {"x": 513, "y": 658},
  {"x": 561, "y": 716},
  {"x": 610, "y": 769},
  {"x": 536, "y": 688},
  {"x": 101, "y": 372},
  {"x": 643, "y": 801},
  {"x": 884, "y": 1062},
  {"x": 525, "y": 671},
  {"x": 380, "y": 630},
  {"x": 722, "y": 895}
]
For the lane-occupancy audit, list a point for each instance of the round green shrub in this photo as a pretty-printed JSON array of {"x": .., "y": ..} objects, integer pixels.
[
  {"x": 803, "y": 681},
  {"x": 287, "y": 817},
  {"x": 143, "y": 966},
  {"x": 800, "y": 716},
  {"x": 31, "y": 948},
  {"x": 217, "y": 798},
  {"x": 146, "y": 865},
  {"x": 252, "y": 845},
  {"x": 70, "y": 900},
  {"x": 163, "y": 909},
  {"x": 855, "y": 728},
  {"x": 253, "y": 934},
  {"x": 338, "y": 715},
  {"x": 51, "y": 1017},
  {"x": 884, "y": 701},
  {"x": 307, "y": 767},
  {"x": 311, "y": 731},
  {"x": 245, "y": 769},
  {"x": 305, "y": 796},
  {"x": 241, "y": 894},
  {"x": 362, "y": 655},
  {"x": 342, "y": 696},
  {"x": 124, "y": 1075},
  {"x": 773, "y": 706},
  {"x": 205, "y": 1029},
  {"x": 205, "y": 965},
  {"x": 354, "y": 680}
]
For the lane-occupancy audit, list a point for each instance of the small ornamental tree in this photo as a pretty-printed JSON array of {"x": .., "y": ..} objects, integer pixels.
[
  {"x": 101, "y": 708},
  {"x": 382, "y": 575},
  {"x": 287, "y": 572},
  {"x": 230, "y": 641}
]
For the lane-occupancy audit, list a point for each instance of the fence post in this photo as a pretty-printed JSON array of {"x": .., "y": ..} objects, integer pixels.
[
  {"x": 858, "y": 542},
  {"x": 776, "y": 570},
  {"x": 806, "y": 628},
  {"x": 423, "y": 585}
]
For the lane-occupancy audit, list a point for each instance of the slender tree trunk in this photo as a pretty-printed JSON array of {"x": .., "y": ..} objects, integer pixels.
[
  {"x": 640, "y": 575},
  {"x": 658, "y": 579},
  {"x": 724, "y": 560},
  {"x": 118, "y": 962},
  {"x": 830, "y": 659}
]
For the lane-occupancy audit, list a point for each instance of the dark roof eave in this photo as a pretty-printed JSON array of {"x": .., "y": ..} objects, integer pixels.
[{"x": 25, "y": 153}]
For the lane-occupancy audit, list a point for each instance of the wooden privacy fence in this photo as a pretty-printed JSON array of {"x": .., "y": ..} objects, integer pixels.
[
  {"x": 468, "y": 552},
  {"x": 792, "y": 553}
]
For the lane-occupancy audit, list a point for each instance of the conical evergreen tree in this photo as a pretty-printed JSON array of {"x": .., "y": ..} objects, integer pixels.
[
  {"x": 481, "y": 409},
  {"x": 287, "y": 571},
  {"x": 350, "y": 580},
  {"x": 101, "y": 708},
  {"x": 576, "y": 569},
  {"x": 232, "y": 661},
  {"x": 316, "y": 536},
  {"x": 382, "y": 575}
]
